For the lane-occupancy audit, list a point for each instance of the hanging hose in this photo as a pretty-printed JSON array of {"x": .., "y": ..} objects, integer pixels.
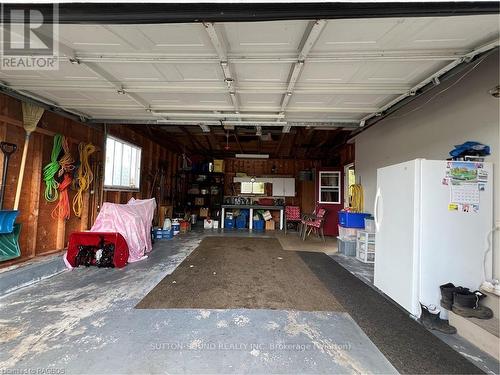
[
  {"x": 357, "y": 198},
  {"x": 62, "y": 210},
  {"x": 84, "y": 176},
  {"x": 66, "y": 162},
  {"x": 50, "y": 170}
]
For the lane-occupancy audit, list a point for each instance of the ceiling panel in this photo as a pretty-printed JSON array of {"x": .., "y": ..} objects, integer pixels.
[
  {"x": 264, "y": 37},
  {"x": 178, "y": 38},
  {"x": 182, "y": 100},
  {"x": 437, "y": 33},
  {"x": 258, "y": 100},
  {"x": 274, "y": 73},
  {"x": 93, "y": 38}
]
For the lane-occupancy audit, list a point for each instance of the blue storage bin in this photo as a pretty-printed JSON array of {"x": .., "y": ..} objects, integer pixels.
[
  {"x": 157, "y": 234},
  {"x": 167, "y": 234},
  {"x": 258, "y": 225},
  {"x": 352, "y": 219},
  {"x": 245, "y": 212},
  {"x": 228, "y": 223},
  {"x": 241, "y": 222}
]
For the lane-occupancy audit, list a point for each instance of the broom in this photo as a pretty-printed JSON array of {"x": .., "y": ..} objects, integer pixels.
[{"x": 31, "y": 116}]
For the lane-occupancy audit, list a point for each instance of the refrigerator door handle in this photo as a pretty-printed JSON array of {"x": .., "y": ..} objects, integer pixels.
[{"x": 377, "y": 217}]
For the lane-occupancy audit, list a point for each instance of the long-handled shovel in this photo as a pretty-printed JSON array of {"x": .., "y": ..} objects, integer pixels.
[
  {"x": 9, "y": 232},
  {"x": 7, "y": 150},
  {"x": 7, "y": 217}
]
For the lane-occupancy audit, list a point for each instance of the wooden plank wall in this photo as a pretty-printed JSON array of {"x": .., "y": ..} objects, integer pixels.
[
  {"x": 152, "y": 154},
  {"x": 263, "y": 167},
  {"x": 40, "y": 234}
]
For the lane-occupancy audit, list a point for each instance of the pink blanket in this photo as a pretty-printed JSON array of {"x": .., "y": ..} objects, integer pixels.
[{"x": 132, "y": 220}]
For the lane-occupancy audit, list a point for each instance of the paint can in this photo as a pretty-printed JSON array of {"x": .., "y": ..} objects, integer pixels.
[
  {"x": 176, "y": 227},
  {"x": 184, "y": 226}
]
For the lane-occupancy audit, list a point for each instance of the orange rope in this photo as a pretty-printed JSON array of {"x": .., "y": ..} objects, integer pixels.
[
  {"x": 66, "y": 162},
  {"x": 62, "y": 210}
]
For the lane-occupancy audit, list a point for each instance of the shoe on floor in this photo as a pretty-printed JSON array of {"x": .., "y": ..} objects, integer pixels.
[
  {"x": 447, "y": 291},
  {"x": 466, "y": 304},
  {"x": 430, "y": 319}
]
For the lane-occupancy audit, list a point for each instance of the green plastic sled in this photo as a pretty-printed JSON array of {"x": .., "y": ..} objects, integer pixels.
[{"x": 9, "y": 244}]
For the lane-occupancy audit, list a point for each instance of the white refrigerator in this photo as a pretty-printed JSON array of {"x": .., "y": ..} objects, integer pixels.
[{"x": 422, "y": 241}]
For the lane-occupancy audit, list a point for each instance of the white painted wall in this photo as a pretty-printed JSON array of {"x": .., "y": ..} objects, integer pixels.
[{"x": 464, "y": 112}]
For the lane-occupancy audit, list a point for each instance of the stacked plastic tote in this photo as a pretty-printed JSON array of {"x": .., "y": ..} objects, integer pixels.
[{"x": 349, "y": 225}]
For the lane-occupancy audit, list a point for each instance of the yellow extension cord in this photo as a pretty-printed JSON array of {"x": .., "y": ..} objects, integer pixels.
[
  {"x": 357, "y": 198},
  {"x": 84, "y": 176}
]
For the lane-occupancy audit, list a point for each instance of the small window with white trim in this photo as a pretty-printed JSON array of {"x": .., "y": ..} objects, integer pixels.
[
  {"x": 122, "y": 170},
  {"x": 329, "y": 187}
]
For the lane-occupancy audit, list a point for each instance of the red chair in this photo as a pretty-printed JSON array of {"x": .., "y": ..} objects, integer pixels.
[
  {"x": 292, "y": 215},
  {"x": 316, "y": 225},
  {"x": 306, "y": 217}
]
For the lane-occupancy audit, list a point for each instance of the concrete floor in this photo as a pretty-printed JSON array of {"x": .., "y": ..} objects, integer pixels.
[{"x": 84, "y": 321}]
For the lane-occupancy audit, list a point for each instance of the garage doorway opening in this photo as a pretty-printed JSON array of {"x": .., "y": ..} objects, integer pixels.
[{"x": 350, "y": 179}]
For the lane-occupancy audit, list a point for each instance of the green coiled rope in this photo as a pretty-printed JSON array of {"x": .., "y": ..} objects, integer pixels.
[{"x": 51, "y": 169}]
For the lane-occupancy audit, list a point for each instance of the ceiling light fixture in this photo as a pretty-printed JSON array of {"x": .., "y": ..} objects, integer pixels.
[
  {"x": 121, "y": 91},
  {"x": 251, "y": 156},
  {"x": 74, "y": 60}
]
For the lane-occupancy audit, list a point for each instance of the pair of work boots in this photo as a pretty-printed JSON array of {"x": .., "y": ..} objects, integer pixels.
[{"x": 463, "y": 302}]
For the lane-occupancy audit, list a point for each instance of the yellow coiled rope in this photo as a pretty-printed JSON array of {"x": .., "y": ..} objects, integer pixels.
[
  {"x": 357, "y": 198},
  {"x": 84, "y": 176}
]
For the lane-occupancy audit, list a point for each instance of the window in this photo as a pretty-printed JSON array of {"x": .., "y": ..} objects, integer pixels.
[
  {"x": 329, "y": 187},
  {"x": 252, "y": 188},
  {"x": 123, "y": 165}
]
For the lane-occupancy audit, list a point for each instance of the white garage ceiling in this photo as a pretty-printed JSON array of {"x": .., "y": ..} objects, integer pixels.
[{"x": 334, "y": 72}]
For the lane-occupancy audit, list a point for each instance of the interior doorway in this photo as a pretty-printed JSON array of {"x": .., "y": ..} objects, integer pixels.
[{"x": 350, "y": 179}]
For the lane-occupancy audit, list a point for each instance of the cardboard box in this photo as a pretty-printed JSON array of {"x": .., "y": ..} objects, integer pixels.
[
  {"x": 267, "y": 215},
  {"x": 218, "y": 165},
  {"x": 270, "y": 225},
  {"x": 203, "y": 212},
  {"x": 199, "y": 201}
]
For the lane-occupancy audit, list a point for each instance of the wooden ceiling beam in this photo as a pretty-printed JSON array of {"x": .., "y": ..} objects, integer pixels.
[
  {"x": 294, "y": 141},
  {"x": 278, "y": 149},
  {"x": 194, "y": 142}
]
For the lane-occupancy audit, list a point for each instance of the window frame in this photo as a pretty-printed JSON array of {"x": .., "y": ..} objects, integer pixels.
[
  {"x": 339, "y": 187},
  {"x": 121, "y": 187}
]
